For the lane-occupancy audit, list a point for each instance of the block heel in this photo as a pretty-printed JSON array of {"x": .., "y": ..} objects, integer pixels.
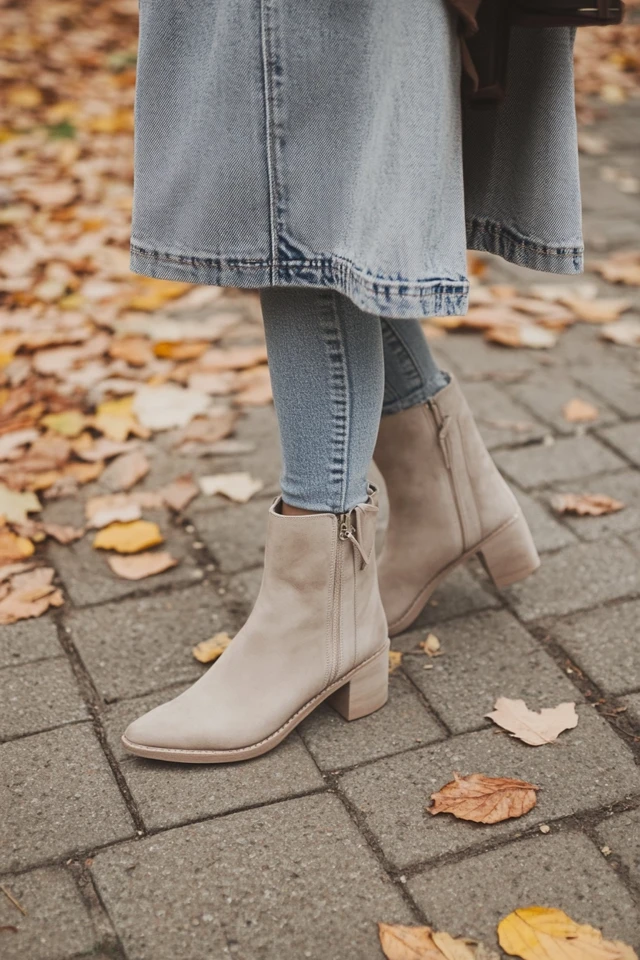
[
  {"x": 366, "y": 692},
  {"x": 510, "y": 554}
]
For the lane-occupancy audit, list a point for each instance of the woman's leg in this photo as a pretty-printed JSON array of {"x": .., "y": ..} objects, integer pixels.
[
  {"x": 327, "y": 373},
  {"x": 411, "y": 375}
]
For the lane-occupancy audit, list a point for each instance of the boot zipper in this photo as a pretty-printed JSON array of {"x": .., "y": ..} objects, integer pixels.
[
  {"x": 345, "y": 527},
  {"x": 443, "y": 425}
]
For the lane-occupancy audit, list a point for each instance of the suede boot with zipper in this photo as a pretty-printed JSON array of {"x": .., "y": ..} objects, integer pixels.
[
  {"x": 318, "y": 631},
  {"x": 447, "y": 502}
]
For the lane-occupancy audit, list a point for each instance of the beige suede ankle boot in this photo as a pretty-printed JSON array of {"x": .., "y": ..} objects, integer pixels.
[
  {"x": 447, "y": 502},
  {"x": 318, "y": 631}
]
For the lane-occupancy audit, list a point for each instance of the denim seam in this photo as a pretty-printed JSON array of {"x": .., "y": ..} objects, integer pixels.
[
  {"x": 343, "y": 367},
  {"x": 494, "y": 227},
  {"x": 404, "y": 355},
  {"x": 268, "y": 118}
]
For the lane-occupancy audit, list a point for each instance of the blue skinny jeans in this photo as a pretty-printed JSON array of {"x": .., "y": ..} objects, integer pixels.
[{"x": 334, "y": 371}]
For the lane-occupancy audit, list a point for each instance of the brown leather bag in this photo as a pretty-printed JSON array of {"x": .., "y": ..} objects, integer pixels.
[{"x": 486, "y": 27}]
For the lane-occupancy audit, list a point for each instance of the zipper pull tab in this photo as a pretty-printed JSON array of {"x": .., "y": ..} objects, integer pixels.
[{"x": 346, "y": 533}]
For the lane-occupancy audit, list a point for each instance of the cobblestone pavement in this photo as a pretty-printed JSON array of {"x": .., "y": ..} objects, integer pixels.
[{"x": 298, "y": 854}]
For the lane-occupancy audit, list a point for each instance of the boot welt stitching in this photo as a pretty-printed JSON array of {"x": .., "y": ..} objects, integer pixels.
[{"x": 319, "y": 697}]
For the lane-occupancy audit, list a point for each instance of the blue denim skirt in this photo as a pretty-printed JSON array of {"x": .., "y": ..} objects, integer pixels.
[{"x": 324, "y": 143}]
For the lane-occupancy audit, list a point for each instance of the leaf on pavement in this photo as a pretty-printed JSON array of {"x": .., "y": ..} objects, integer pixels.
[
  {"x": 126, "y": 470},
  {"x": 168, "y": 406},
  {"x": 239, "y": 487},
  {"x": 395, "y": 660},
  {"x": 180, "y": 492},
  {"x": 431, "y": 645},
  {"x": 586, "y": 504},
  {"x": 484, "y": 799},
  {"x": 423, "y": 943},
  {"x": 128, "y": 537},
  {"x": 545, "y": 933},
  {"x": 118, "y": 507},
  {"x": 14, "y": 548},
  {"x": 10, "y": 443},
  {"x": 116, "y": 420},
  {"x": 180, "y": 350},
  {"x": 208, "y": 650},
  {"x": 142, "y": 565},
  {"x": 31, "y": 594},
  {"x": 605, "y": 310},
  {"x": 621, "y": 267},
  {"x": 218, "y": 424},
  {"x": 71, "y": 423},
  {"x": 626, "y": 333},
  {"x": 15, "y": 506},
  {"x": 579, "y": 411},
  {"x": 522, "y": 335},
  {"x": 63, "y": 534},
  {"x": 103, "y": 449},
  {"x": 533, "y": 728}
]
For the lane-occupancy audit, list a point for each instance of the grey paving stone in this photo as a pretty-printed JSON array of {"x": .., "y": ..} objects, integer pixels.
[
  {"x": 547, "y": 532},
  {"x": 277, "y": 883},
  {"x": 626, "y": 439},
  {"x": 57, "y": 923},
  {"x": 621, "y": 833},
  {"x": 581, "y": 346},
  {"x": 566, "y": 459},
  {"x": 404, "y": 722},
  {"x": 38, "y": 696},
  {"x": 578, "y": 577},
  {"x": 58, "y": 797},
  {"x": 613, "y": 381},
  {"x": 136, "y": 646},
  {"x": 587, "y": 768},
  {"x": 471, "y": 357},
  {"x": 458, "y": 595},
  {"x": 235, "y": 535},
  {"x": 545, "y": 393},
  {"x": 564, "y": 871},
  {"x": 501, "y": 420},
  {"x": 28, "y": 640},
  {"x": 623, "y": 486},
  {"x": 604, "y": 643},
  {"x": 88, "y": 578},
  {"x": 632, "y": 704},
  {"x": 485, "y": 657},
  {"x": 169, "y": 794}
]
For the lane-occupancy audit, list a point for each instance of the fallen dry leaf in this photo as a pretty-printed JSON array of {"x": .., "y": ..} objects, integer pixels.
[
  {"x": 579, "y": 411},
  {"x": 128, "y": 537},
  {"x": 168, "y": 406},
  {"x": 32, "y": 593},
  {"x": 116, "y": 420},
  {"x": 126, "y": 470},
  {"x": 218, "y": 424},
  {"x": 12, "y": 442},
  {"x": 239, "y": 487},
  {"x": 423, "y": 943},
  {"x": 586, "y": 504},
  {"x": 14, "y": 548},
  {"x": 15, "y": 506},
  {"x": 71, "y": 423},
  {"x": 545, "y": 933},
  {"x": 180, "y": 492},
  {"x": 103, "y": 448},
  {"x": 142, "y": 565},
  {"x": 431, "y": 645},
  {"x": 118, "y": 507},
  {"x": 395, "y": 660},
  {"x": 180, "y": 350},
  {"x": 484, "y": 799},
  {"x": 522, "y": 335},
  {"x": 208, "y": 650},
  {"x": 620, "y": 267},
  {"x": 533, "y": 728},
  {"x": 63, "y": 534},
  {"x": 605, "y": 310},
  {"x": 626, "y": 333}
]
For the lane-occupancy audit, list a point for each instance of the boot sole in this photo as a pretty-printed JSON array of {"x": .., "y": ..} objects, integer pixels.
[
  {"x": 508, "y": 555},
  {"x": 358, "y": 694}
]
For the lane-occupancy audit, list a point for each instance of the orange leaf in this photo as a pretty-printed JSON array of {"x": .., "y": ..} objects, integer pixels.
[{"x": 484, "y": 799}]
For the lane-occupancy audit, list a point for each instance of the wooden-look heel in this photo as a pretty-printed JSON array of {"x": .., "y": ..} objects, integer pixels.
[
  {"x": 366, "y": 692},
  {"x": 510, "y": 554}
]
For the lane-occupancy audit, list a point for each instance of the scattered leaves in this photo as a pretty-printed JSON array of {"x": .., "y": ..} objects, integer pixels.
[
  {"x": 545, "y": 933},
  {"x": 484, "y": 799},
  {"x": 30, "y": 595},
  {"x": 208, "y": 650},
  {"x": 533, "y": 728}
]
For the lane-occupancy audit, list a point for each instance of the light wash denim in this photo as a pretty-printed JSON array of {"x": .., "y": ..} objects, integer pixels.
[
  {"x": 323, "y": 144},
  {"x": 334, "y": 371}
]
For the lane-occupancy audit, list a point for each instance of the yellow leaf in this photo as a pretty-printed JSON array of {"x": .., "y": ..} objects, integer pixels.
[
  {"x": 24, "y": 96},
  {"x": 484, "y": 799},
  {"x": 116, "y": 420},
  {"x": 71, "y": 423},
  {"x": 545, "y": 933},
  {"x": 13, "y": 547},
  {"x": 422, "y": 943},
  {"x": 186, "y": 350},
  {"x": 120, "y": 121},
  {"x": 155, "y": 293},
  {"x": 395, "y": 660},
  {"x": 128, "y": 537},
  {"x": 209, "y": 650}
]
